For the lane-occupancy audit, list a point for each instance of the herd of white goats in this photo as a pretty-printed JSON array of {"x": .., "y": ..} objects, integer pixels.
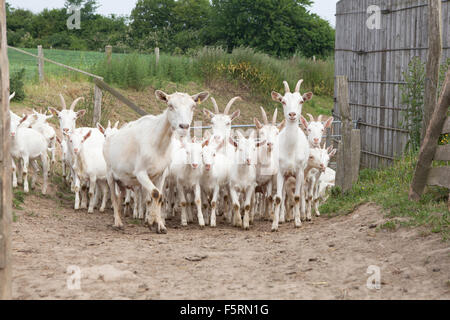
[{"x": 278, "y": 171}]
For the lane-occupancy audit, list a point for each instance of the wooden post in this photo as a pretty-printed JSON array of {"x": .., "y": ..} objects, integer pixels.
[
  {"x": 356, "y": 154},
  {"x": 98, "y": 95},
  {"x": 433, "y": 61},
  {"x": 157, "y": 55},
  {"x": 5, "y": 164},
  {"x": 430, "y": 143},
  {"x": 344, "y": 169},
  {"x": 41, "y": 63},
  {"x": 108, "y": 51}
]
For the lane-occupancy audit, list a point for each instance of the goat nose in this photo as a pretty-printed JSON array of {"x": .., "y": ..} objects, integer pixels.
[
  {"x": 75, "y": 150},
  {"x": 66, "y": 129},
  {"x": 292, "y": 115},
  {"x": 208, "y": 167},
  {"x": 13, "y": 134},
  {"x": 184, "y": 126},
  {"x": 316, "y": 140},
  {"x": 194, "y": 165}
]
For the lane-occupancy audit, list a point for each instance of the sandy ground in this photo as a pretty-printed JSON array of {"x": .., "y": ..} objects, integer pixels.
[{"x": 325, "y": 259}]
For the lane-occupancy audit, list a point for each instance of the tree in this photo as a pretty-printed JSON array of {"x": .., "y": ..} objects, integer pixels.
[{"x": 272, "y": 26}]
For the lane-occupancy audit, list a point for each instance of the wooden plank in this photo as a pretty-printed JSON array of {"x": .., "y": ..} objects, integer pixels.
[
  {"x": 433, "y": 61},
  {"x": 345, "y": 181},
  {"x": 98, "y": 95},
  {"x": 356, "y": 154},
  {"x": 108, "y": 52},
  {"x": 41, "y": 63},
  {"x": 102, "y": 85},
  {"x": 439, "y": 177},
  {"x": 446, "y": 126},
  {"x": 157, "y": 55},
  {"x": 429, "y": 145},
  {"x": 5, "y": 164},
  {"x": 443, "y": 153}
]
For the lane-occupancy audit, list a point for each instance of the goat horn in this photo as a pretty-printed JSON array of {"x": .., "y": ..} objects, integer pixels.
[
  {"x": 320, "y": 118},
  {"x": 228, "y": 107},
  {"x": 299, "y": 84},
  {"x": 286, "y": 87},
  {"x": 274, "y": 119},
  {"x": 63, "y": 102},
  {"x": 311, "y": 118},
  {"x": 264, "y": 116},
  {"x": 216, "y": 107},
  {"x": 12, "y": 96},
  {"x": 72, "y": 106}
]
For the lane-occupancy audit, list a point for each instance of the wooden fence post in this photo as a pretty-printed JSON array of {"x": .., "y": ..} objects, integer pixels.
[
  {"x": 108, "y": 51},
  {"x": 157, "y": 55},
  {"x": 344, "y": 168},
  {"x": 433, "y": 61},
  {"x": 356, "y": 154},
  {"x": 41, "y": 63},
  {"x": 98, "y": 95},
  {"x": 5, "y": 164},
  {"x": 430, "y": 143}
]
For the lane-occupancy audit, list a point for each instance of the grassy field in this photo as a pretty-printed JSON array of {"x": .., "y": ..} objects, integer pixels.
[
  {"x": 246, "y": 73},
  {"x": 389, "y": 188}
]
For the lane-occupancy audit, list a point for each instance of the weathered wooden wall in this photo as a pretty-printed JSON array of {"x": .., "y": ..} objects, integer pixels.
[{"x": 374, "y": 62}]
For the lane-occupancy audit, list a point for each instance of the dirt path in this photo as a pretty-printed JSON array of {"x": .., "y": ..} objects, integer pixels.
[{"x": 325, "y": 259}]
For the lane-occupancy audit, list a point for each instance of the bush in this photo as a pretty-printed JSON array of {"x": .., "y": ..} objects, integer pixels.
[{"x": 16, "y": 84}]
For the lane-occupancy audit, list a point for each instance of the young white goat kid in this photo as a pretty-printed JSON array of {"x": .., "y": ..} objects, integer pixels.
[
  {"x": 267, "y": 166},
  {"x": 243, "y": 177},
  {"x": 294, "y": 150},
  {"x": 186, "y": 168}
]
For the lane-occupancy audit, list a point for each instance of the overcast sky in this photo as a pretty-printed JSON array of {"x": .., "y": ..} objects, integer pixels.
[{"x": 324, "y": 8}]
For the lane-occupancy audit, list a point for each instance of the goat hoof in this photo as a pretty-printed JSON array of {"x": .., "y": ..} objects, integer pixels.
[
  {"x": 160, "y": 229},
  {"x": 274, "y": 229},
  {"x": 118, "y": 228}
]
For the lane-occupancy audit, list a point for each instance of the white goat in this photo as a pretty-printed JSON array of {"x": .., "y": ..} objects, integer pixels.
[
  {"x": 243, "y": 177},
  {"x": 294, "y": 150},
  {"x": 28, "y": 144},
  {"x": 216, "y": 172},
  {"x": 186, "y": 168},
  {"x": 140, "y": 153},
  {"x": 267, "y": 166},
  {"x": 89, "y": 164}
]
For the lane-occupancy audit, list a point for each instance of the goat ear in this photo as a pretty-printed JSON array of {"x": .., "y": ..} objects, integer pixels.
[
  {"x": 329, "y": 123},
  {"x": 54, "y": 111},
  {"x": 116, "y": 125},
  {"x": 276, "y": 96},
  {"x": 307, "y": 96},
  {"x": 258, "y": 124},
  {"x": 208, "y": 113},
  {"x": 234, "y": 143},
  {"x": 235, "y": 114},
  {"x": 200, "y": 97},
  {"x": 205, "y": 143},
  {"x": 259, "y": 144},
  {"x": 49, "y": 117},
  {"x": 304, "y": 122},
  {"x": 162, "y": 96},
  {"x": 81, "y": 113},
  {"x": 87, "y": 135},
  {"x": 282, "y": 125},
  {"x": 100, "y": 127}
]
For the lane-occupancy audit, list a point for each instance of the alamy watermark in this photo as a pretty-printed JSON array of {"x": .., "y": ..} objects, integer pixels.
[
  {"x": 374, "y": 21},
  {"x": 74, "y": 21},
  {"x": 374, "y": 281},
  {"x": 74, "y": 278}
]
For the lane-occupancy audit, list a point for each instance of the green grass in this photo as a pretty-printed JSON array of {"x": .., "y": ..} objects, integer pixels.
[{"x": 389, "y": 188}]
